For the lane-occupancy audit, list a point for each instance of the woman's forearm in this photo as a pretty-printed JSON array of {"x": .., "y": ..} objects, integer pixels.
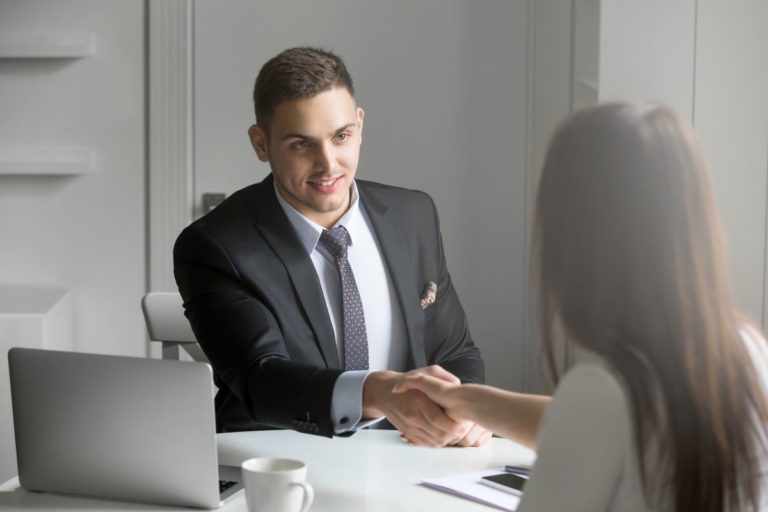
[{"x": 515, "y": 416}]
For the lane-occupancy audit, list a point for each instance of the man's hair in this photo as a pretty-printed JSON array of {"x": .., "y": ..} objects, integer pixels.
[{"x": 295, "y": 74}]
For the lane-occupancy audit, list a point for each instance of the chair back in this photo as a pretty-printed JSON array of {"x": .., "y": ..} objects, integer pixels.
[{"x": 166, "y": 323}]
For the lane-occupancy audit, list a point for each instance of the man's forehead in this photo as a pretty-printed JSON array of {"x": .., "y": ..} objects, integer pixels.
[{"x": 326, "y": 112}]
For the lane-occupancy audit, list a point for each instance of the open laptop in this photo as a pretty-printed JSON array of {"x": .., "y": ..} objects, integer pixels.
[{"x": 116, "y": 427}]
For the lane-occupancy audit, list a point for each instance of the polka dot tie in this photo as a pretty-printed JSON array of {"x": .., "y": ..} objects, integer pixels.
[{"x": 337, "y": 240}]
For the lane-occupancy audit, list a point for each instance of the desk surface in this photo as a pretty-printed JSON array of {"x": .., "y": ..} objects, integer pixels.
[{"x": 370, "y": 471}]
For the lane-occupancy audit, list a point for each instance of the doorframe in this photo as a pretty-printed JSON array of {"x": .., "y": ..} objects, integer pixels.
[
  {"x": 170, "y": 134},
  {"x": 550, "y": 99}
]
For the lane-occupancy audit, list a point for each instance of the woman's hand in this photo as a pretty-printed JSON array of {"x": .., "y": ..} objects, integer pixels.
[{"x": 437, "y": 384}]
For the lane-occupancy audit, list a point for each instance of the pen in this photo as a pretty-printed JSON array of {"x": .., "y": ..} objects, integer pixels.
[{"x": 518, "y": 470}]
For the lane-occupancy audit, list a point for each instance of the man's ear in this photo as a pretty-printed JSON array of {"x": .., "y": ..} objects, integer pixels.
[
  {"x": 360, "y": 119},
  {"x": 259, "y": 142}
]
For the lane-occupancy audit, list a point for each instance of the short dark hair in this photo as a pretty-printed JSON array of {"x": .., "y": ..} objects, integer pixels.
[{"x": 294, "y": 74}]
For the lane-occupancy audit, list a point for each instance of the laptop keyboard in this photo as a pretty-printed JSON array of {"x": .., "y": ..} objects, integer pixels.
[{"x": 225, "y": 484}]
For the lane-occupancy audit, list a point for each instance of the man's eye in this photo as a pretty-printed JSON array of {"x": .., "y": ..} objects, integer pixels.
[
  {"x": 301, "y": 144},
  {"x": 342, "y": 137}
]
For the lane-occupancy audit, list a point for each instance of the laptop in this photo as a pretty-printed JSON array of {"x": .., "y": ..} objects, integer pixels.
[{"x": 115, "y": 427}]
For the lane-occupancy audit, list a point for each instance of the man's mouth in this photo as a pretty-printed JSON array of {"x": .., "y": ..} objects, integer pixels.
[{"x": 326, "y": 184}]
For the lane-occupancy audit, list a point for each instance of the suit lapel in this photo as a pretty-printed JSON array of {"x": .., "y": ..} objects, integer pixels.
[
  {"x": 400, "y": 267},
  {"x": 276, "y": 229}
]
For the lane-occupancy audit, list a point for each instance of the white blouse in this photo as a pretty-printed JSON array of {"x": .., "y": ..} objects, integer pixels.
[{"x": 587, "y": 460}]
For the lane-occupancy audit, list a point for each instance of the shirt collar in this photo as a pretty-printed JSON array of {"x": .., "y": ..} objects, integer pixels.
[{"x": 309, "y": 231}]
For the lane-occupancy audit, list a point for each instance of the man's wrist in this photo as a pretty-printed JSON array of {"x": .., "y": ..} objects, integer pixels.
[
  {"x": 346, "y": 401},
  {"x": 376, "y": 390}
]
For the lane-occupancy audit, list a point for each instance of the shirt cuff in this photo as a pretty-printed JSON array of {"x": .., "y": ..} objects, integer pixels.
[{"x": 347, "y": 402}]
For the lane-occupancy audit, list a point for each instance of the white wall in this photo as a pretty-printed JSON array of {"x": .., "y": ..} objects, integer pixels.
[
  {"x": 647, "y": 52},
  {"x": 487, "y": 238},
  {"x": 731, "y": 118},
  {"x": 444, "y": 87},
  {"x": 707, "y": 61},
  {"x": 82, "y": 233}
]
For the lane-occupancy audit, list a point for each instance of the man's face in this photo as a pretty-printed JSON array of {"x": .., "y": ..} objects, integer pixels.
[{"x": 313, "y": 150}]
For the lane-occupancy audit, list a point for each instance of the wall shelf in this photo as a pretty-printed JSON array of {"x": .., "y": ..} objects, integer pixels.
[
  {"x": 45, "y": 160},
  {"x": 30, "y": 317},
  {"x": 29, "y": 301},
  {"x": 45, "y": 45}
]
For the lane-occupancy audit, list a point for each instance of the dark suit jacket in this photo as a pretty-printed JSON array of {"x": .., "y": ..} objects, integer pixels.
[{"x": 257, "y": 309}]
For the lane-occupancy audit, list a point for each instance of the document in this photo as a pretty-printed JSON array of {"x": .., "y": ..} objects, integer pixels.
[{"x": 467, "y": 485}]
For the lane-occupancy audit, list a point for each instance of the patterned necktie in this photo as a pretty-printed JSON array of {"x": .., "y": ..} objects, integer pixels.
[{"x": 336, "y": 241}]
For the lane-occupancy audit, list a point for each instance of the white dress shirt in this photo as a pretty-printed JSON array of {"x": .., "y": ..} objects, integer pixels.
[{"x": 385, "y": 328}]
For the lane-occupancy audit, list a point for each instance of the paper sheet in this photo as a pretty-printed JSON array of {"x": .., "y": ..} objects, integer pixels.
[{"x": 467, "y": 485}]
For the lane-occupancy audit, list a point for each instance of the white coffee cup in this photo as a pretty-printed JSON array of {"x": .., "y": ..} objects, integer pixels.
[{"x": 276, "y": 485}]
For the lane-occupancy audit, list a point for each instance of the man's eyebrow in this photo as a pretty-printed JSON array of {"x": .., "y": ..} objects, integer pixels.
[
  {"x": 294, "y": 136},
  {"x": 307, "y": 137},
  {"x": 346, "y": 127}
]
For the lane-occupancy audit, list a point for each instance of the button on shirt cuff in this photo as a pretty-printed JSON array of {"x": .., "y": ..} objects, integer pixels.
[{"x": 347, "y": 402}]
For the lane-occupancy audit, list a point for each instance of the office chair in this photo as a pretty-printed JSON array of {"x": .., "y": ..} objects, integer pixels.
[{"x": 166, "y": 323}]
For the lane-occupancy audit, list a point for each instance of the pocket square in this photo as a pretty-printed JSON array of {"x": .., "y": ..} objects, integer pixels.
[{"x": 429, "y": 295}]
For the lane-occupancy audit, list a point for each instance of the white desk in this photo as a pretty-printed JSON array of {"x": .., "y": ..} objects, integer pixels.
[{"x": 370, "y": 471}]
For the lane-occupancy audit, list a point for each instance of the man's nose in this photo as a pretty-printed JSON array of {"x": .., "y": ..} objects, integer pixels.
[{"x": 324, "y": 158}]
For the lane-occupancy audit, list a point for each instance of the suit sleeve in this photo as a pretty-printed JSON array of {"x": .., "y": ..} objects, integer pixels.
[
  {"x": 244, "y": 342},
  {"x": 448, "y": 341}
]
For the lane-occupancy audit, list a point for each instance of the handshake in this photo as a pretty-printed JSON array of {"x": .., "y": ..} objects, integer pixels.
[{"x": 418, "y": 404}]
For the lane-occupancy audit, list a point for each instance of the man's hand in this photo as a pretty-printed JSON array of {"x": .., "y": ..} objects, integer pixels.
[{"x": 418, "y": 418}]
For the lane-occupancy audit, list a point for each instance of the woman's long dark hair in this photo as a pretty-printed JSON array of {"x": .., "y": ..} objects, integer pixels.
[{"x": 631, "y": 264}]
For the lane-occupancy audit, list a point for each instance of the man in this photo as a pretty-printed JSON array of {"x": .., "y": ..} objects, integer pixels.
[{"x": 311, "y": 292}]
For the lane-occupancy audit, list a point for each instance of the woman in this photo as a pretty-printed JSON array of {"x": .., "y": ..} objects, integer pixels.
[{"x": 629, "y": 252}]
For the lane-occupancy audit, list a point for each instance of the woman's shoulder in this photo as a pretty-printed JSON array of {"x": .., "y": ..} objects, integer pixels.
[
  {"x": 757, "y": 348},
  {"x": 591, "y": 388},
  {"x": 585, "y": 426},
  {"x": 592, "y": 376},
  {"x": 754, "y": 339}
]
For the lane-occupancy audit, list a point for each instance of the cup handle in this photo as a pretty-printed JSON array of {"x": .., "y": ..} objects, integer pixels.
[{"x": 309, "y": 495}]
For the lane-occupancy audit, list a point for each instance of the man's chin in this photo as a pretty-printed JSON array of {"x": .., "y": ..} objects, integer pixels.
[
  {"x": 329, "y": 209},
  {"x": 329, "y": 204}
]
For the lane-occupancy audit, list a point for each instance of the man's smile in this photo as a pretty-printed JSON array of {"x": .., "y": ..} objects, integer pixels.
[{"x": 326, "y": 185}]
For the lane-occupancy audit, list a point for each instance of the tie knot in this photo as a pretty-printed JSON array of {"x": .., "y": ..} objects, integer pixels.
[{"x": 335, "y": 240}]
